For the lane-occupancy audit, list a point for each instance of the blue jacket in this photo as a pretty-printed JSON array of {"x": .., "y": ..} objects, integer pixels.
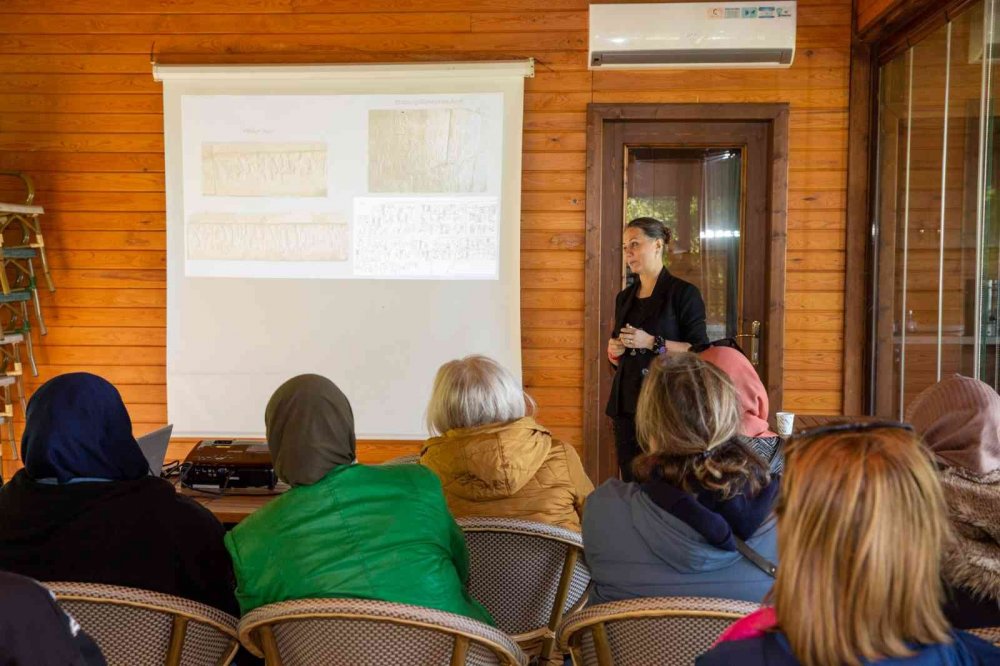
[
  {"x": 634, "y": 548},
  {"x": 773, "y": 650}
]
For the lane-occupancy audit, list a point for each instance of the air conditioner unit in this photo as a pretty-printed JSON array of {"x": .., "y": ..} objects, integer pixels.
[{"x": 692, "y": 34}]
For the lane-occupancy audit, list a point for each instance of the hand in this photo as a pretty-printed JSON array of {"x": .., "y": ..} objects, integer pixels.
[
  {"x": 636, "y": 338},
  {"x": 615, "y": 348}
]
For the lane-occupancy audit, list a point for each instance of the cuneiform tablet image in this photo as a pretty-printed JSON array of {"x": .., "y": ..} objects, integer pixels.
[
  {"x": 267, "y": 237},
  {"x": 426, "y": 151},
  {"x": 259, "y": 169}
]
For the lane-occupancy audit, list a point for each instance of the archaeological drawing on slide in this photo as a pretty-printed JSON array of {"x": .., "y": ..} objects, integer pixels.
[
  {"x": 267, "y": 237},
  {"x": 263, "y": 169},
  {"x": 422, "y": 237},
  {"x": 426, "y": 151},
  {"x": 343, "y": 186}
]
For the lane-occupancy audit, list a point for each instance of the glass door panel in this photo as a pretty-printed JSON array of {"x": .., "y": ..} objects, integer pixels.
[{"x": 697, "y": 193}]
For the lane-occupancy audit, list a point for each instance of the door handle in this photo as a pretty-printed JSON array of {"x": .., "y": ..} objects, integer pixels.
[{"x": 754, "y": 335}]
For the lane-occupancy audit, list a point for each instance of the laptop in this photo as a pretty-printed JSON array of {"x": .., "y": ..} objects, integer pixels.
[{"x": 154, "y": 447}]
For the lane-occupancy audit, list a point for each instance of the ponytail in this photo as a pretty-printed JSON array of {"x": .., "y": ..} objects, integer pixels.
[
  {"x": 728, "y": 469},
  {"x": 688, "y": 422}
]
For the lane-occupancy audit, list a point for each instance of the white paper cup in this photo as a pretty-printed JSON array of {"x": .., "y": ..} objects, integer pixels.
[{"x": 785, "y": 422}]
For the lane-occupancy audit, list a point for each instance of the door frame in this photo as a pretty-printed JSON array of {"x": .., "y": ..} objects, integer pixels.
[{"x": 603, "y": 252}]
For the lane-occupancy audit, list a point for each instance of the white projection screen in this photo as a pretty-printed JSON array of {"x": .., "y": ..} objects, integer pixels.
[{"x": 361, "y": 222}]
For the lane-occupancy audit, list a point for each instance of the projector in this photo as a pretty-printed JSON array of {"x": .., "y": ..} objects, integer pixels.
[{"x": 229, "y": 463}]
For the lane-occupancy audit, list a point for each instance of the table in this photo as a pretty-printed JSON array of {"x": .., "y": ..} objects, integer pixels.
[
  {"x": 230, "y": 508},
  {"x": 809, "y": 421}
]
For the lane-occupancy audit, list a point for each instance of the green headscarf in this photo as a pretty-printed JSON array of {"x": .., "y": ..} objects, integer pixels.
[{"x": 310, "y": 429}]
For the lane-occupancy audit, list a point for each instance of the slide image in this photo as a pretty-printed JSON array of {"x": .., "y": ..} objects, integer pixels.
[
  {"x": 263, "y": 169},
  {"x": 267, "y": 237},
  {"x": 426, "y": 238},
  {"x": 427, "y": 151}
]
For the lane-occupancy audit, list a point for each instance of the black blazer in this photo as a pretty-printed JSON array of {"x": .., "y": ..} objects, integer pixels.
[{"x": 680, "y": 316}]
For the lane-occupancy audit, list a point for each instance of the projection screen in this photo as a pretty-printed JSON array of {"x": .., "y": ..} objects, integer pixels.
[{"x": 361, "y": 222}]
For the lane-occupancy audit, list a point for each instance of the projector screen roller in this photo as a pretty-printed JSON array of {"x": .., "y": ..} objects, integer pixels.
[{"x": 358, "y": 222}]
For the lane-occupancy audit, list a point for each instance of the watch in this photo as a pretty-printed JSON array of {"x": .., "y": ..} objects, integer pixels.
[{"x": 659, "y": 345}]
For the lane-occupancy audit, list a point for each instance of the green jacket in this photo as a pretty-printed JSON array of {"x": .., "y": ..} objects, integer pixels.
[{"x": 362, "y": 531}]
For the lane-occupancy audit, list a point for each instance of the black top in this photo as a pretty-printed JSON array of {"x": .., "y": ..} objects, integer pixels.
[
  {"x": 34, "y": 630},
  {"x": 966, "y": 610},
  {"x": 674, "y": 311},
  {"x": 137, "y": 533}
]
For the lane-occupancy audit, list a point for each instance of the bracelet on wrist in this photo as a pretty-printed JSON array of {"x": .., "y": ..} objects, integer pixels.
[{"x": 659, "y": 345}]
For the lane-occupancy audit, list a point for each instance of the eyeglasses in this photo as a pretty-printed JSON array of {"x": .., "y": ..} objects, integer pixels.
[
  {"x": 852, "y": 427},
  {"x": 724, "y": 342}
]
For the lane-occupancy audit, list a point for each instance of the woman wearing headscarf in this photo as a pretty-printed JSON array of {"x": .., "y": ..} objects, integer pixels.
[
  {"x": 343, "y": 529},
  {"x": 86, "y": 507},
  {"x": 753, "y": 402},
  {"x": 959, "y": 419}
]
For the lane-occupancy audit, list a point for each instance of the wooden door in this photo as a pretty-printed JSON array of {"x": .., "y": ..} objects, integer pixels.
[{"x": 713, "y": 182}]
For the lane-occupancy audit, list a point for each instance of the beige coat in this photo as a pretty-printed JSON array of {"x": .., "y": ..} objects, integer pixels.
[{"x": 510, "y": 470}]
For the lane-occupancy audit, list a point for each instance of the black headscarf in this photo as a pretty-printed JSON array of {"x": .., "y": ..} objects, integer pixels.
[
  {"x": 310, "y": 429},
  {"x": 77, "y": 427}
]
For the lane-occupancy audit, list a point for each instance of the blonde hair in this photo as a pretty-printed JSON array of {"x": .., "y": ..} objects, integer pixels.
[
  {"x": 861, "y": 527},
  {"x": 475, "y": 391},
  {"x": 687, "y": 422}
]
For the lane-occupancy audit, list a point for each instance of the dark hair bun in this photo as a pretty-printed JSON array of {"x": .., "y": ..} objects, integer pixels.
[{"x": 652, "y": 227}]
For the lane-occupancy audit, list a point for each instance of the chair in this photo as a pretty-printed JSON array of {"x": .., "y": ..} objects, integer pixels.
[
  {"x": 669, "y": 631},
  {"x": 28, "y": 242},
  {"x": 991, "y": 634},
  {"x": 21, "y": 243},
  {"x": 527, "y": 574},
  {"x": 362, "y": 632},
  {"x": 7, "y": 415},
  {"x": 133, "y": 626},
  {"x": 404, "y": 460}
]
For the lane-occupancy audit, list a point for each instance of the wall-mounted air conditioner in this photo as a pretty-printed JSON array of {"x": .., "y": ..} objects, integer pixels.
[{"x": 692, "y": 34}]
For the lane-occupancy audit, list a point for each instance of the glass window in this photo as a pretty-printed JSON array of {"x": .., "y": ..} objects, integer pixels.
[{"x": 936, "y": 219}]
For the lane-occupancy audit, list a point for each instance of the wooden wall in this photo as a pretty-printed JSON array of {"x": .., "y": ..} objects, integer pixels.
[{"x": 79, "y": 110}]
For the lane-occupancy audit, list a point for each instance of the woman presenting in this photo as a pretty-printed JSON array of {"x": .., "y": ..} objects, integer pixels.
[{"x": 656, "y": 314}]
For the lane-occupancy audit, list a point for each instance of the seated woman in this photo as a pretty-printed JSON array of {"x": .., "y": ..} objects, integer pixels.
[
  {"x": 86, "y": 508},
  {"x": 959, "y": 419},
  {"x": 491, "y": 458},
  {"x": 700, "y": 492},
  {"x": 343, "y": 529},
  {"x": 861, "y": 525},
  {"x": 753, "y": 402}
]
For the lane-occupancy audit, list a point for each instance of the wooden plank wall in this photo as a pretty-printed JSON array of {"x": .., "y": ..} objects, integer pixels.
[{"x": 80, "y": 111}]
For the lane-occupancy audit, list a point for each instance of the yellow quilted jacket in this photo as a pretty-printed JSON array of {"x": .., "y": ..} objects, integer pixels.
[{"x": 509, "y": 470}]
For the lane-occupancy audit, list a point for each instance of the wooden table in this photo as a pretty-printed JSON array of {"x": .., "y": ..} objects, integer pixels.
[
  {"x": 809, "y": 421},
  {"x": 232, "y": 507}
]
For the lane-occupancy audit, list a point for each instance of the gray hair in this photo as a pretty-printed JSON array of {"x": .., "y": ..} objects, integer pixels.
[{"x": 475, "y": 391}]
